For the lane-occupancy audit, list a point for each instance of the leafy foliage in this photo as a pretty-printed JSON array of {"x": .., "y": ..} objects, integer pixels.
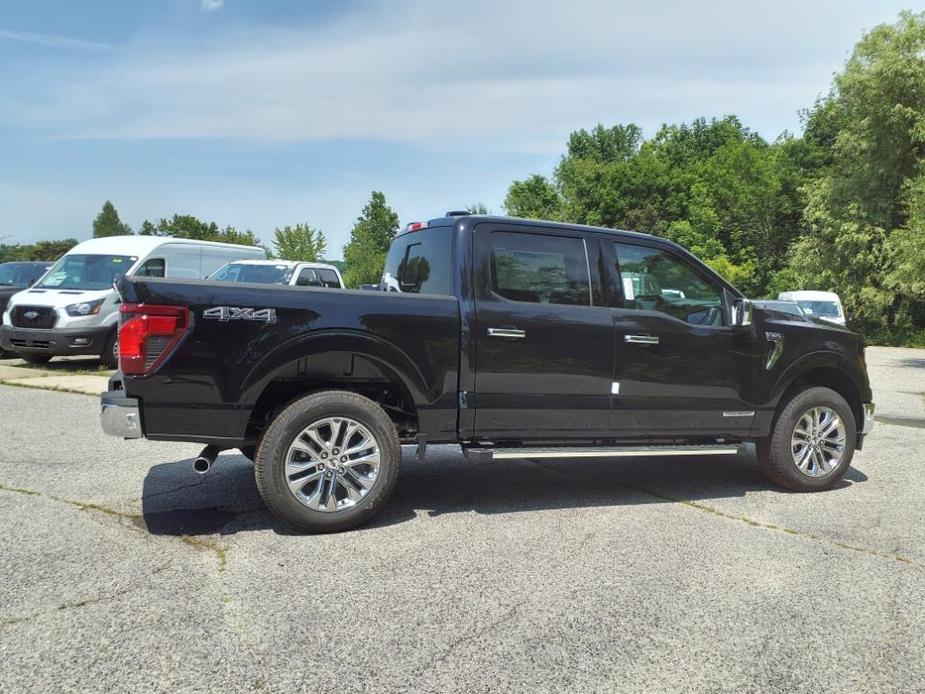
[
  {"x": 107, "y": 223},
  {"x": 189, "y": 227},
  {"x": 841, "y": 208},
  {"x": 299, "y": 242},
  {"x": 41, "y": 250},
  {"x": 369, "y": 242}
]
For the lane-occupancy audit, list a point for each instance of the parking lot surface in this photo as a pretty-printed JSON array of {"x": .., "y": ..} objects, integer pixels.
[{"x": 125, "y": 571}]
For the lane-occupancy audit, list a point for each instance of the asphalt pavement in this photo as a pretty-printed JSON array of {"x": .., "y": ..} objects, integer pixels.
[{"x": 122, "y": 570}]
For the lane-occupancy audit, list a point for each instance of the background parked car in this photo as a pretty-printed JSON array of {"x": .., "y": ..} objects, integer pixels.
[
  {"x": 824, "y": 305},
  {"x": 16, "y": 276},
  {"x": 290, "y": 272},
  {"x": 74, "y": 308},
  {"x": 787, "y": 308}
]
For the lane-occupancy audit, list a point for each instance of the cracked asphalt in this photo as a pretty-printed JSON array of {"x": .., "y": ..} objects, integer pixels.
[{"x": 124, "y": 571}]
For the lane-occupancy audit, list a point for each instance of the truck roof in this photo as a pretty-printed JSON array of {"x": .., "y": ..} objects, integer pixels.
[{"x": 449, "y": 221}]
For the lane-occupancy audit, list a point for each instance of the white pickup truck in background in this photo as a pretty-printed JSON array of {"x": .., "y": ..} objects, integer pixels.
[{"x": 289, "y": 272}]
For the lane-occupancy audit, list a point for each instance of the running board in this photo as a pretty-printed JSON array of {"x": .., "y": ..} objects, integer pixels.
[{"x": 486, "y": 453}]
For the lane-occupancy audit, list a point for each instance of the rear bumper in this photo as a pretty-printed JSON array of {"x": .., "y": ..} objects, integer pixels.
[
  {"x": 55, "y": 341},
  {"x": 120, "y": 416}
]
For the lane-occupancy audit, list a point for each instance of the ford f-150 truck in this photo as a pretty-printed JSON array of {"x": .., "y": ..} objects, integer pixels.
[{"x": 512, "y": 338}]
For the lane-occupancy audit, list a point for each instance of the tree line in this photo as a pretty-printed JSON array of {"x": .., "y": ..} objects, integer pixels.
[{"x": 840, "y": 207}]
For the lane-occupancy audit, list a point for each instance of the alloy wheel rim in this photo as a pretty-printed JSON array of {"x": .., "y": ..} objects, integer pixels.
[
  {"x": 818, "y": 441},
  {"x": 332, "y": 464}
]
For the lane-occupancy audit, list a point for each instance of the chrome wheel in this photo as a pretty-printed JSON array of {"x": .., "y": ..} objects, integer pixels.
[
  {"x": 332, "y": 464},
  {"x": 818, "y": 442}
]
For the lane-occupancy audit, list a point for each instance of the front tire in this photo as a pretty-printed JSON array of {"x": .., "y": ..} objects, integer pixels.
[
  {"x": 812, "y": 443},
  {"x": 328, "y": 462},
  {"x": 110, "y": 356}
]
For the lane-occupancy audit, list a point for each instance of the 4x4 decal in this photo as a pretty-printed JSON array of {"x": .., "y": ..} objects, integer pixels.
[{"x": 229, "y": 313}]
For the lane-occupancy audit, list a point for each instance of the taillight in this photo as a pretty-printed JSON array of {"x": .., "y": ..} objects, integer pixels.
[{"x": 147, "y": 335}]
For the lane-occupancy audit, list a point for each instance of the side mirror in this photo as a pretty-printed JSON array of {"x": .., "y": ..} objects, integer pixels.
[{"x": 741, "y": 312}]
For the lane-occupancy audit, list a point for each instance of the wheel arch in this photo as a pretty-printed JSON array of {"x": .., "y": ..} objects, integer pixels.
[
  {"x": 822, "y": 370},
  {"x": 338, "y": 360}
]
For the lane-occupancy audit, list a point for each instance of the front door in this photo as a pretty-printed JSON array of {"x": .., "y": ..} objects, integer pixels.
[
  {"x": 677, "y": 369},
  {"x": 543, "y": 339}
]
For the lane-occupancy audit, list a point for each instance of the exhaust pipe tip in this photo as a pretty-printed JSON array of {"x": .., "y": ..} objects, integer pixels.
[{"x": 204, "y": 461}]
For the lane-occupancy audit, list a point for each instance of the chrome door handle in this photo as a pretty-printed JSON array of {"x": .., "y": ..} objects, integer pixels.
[
  {"x": 506, "y": 332},
  {"x": 641, "y": 339}
]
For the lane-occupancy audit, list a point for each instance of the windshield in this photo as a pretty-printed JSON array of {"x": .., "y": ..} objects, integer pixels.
[
  {"x": 20, "y": 274},
  {"x": 258, "y": 274},
  {"x": 823, "y": 309},
  {"x": 79, "y": 271}
]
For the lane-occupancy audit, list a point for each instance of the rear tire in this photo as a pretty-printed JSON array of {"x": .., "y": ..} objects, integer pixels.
[
  {"x": 328, "y": 462},
  {"x": 32, "y": 358},
  {"x": 812, "y": 442}
]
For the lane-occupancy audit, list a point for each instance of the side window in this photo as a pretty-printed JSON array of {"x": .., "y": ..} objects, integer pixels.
[
  {"x": 329, "y": 278},
  {"x": 420, "y": 262},
  {"x": 655, "y": 280},
  {"x": 307, "y": 278},
  {"x": 540, "y": 269},
  {"x": 154, "y": 267}
]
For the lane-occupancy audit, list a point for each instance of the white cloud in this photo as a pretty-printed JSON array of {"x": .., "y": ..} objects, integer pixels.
[
  {"x": 211, "y": 5},
  {"x": 516, "y": 75},
  {"x": 53, "y": 41}
]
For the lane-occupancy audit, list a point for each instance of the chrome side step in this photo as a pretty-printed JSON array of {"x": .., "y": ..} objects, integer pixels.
[{"x": 493, "y": 453}]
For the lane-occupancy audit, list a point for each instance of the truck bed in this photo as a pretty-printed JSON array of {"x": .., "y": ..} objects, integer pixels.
[{"x": 225, "y": 373}]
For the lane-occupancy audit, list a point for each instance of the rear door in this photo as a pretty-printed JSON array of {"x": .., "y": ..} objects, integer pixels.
[
  {"x": 543, "y": 339},
  {"x": 677, "y": 368}
]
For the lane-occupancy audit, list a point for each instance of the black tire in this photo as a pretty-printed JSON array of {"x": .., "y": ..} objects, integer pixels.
[
  {"x": 270, "y": 463},
  {"x": 110, "y": 356},
  {"x": 33, "y": 358},
  {"x": 776, "y": 455}
]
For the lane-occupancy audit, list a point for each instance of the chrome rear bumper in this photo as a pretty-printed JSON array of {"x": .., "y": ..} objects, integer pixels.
[{"x": 119, "y": 415}]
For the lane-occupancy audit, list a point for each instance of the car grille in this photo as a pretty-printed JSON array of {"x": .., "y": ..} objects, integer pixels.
[{"x": 33, "y": 317}]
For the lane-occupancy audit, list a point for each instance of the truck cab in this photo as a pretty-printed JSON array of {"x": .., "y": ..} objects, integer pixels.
[{"x": 511, "y": 338}]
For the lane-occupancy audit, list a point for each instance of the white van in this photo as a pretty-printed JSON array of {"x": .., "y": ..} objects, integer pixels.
[
  {"x": 74, "y": 309},
  {"x": 290, "y": 272},
  {"x": 824, "y": 305}
]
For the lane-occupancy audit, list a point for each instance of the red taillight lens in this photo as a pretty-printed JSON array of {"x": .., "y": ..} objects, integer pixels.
[{"x": 147, "y": 335}]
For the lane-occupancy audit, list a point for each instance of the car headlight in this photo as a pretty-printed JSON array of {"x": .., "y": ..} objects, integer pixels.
[{"x": 84, "y": 308}]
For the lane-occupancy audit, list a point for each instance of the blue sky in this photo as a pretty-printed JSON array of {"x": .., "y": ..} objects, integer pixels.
[{"x": 259, "y": 114}]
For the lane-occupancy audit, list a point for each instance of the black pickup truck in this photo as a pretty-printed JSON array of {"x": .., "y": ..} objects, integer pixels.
[{"x": 512, "y": 338}]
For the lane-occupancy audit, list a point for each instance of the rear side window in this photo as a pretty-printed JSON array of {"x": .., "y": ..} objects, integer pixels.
[
  {"x": 540, "y": 269},
  {"x": 329, "y": 278},
  {"x": 419, "y": 262}
]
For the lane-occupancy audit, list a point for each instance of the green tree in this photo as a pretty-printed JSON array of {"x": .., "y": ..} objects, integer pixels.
[
  {"x": 107, "y": 223},
  {"x": 50, "y": 250},
  {"x": 865, "y": 215},
  {"x": 533, "y": 198},
  {"x": 369, "y": 242},
  {"x": 189, "y": 227},
  {"x": 300, "y": 242},
  {"x": 477, "y": 208}
]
